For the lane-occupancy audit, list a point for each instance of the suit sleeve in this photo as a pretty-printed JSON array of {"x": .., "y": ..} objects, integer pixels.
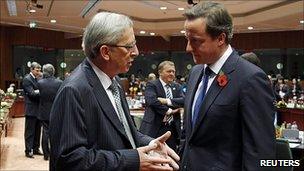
[
  {"x": 257, "y": 112},
  {"x": 151, "y": 99},
  {"x": 68, "y": 136},
  {"x": 29, "y": 89}
]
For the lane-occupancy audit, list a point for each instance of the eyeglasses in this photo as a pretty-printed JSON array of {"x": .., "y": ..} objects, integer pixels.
[{"x": 128, "y": 47}]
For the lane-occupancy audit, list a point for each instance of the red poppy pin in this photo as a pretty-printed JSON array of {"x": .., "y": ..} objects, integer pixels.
[{"x": 222, "y": 79}]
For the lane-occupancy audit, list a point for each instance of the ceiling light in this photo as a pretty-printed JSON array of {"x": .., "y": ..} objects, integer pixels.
[
  {"x": 181, "y": 9},
  {"x": 302, "y": 21},
  {"x": 32, "y": 24},
  {"x": 53, "y": 21},
  {"x": 152, "y": 34},
  {"x": 142, "y": 32},
  {"x": 32, "y": 10},
  {"x": 250, "y": 28},
  {"x": 163, "y": 8},
  {"x": 183, "y": 31},
  {"x": 11, "y": 6}
]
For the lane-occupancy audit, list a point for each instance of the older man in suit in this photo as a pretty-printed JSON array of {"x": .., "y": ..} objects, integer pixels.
[
  {"x": 32, "y": 129},
  {"x": 48, "y": 87},
  {"x": 229, "y": 102},
  {"x": 90, "y": 125},
  {"x": 161, "y": 117}
]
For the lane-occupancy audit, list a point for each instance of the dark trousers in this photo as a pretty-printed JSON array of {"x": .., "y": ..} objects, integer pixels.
[
  {"x": 45, "y": 139},
  {"x": 32, "y": 133}
]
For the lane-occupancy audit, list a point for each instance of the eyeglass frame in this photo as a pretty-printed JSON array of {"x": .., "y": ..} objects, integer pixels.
[{"x": 129, "y": 48}]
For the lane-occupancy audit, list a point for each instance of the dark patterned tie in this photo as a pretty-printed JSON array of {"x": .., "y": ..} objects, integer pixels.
[
  {"x": 121, "y": 114},
  {"x": 169, "y": 118},
  {"x": 200, "y": 98},
  {"x": 168, "y": 92}
]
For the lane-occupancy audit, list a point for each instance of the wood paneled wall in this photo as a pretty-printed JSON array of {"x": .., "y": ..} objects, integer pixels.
[{"x": 14, "y": 35}]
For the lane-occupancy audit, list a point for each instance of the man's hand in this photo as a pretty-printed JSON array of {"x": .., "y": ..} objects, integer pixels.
[
  {"x": 162, "y": 100},
  {"x": 164, "y": 150},
  {"x": 148, "y": 162}
]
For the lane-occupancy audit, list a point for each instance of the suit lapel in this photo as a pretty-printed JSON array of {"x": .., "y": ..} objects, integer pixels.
[
  {"x": 215, "y": 90},
  {"x": 103, "y": 99},
  {"x": 161, "y": 88}
]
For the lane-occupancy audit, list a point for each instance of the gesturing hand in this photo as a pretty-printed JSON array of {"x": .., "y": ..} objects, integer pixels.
[
  {"x": 163, "y": 150},
  {"x": 148, "y": 162}
]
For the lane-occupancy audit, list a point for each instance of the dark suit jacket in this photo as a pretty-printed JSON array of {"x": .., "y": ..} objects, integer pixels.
[
  {"x": 155, "y": 111},
  {"x": 48, "y": 88},
  {"x": 235, "y": 127},
  {"x": 31, "y": 98},
  {"x": 85, "y": 131}
]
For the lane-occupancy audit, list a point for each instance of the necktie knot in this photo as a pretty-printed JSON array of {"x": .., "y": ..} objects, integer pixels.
[
  {"x": 208, "y": 71},
  {"x": 114, "y": 87}
]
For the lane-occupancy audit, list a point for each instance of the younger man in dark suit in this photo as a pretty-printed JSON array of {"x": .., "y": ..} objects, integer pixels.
[
  {"x": 229, "y": 102},
  {"x": 32, "y": 125},
  {"x": 48, "y": 87}
]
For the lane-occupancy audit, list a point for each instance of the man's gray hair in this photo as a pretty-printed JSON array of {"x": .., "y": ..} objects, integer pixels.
[
  {"x": 104, "y": 28},
  {"x": 218, "y": 20},
  {"x": 35, "y": 65},
  {"x": 162, "y": 65},
  {"x": 48, "y": 70}
]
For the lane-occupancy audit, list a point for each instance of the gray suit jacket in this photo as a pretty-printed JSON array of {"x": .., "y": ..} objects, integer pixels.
[
  {"x": 85, "y": 132},
  {"x": 235, "y": 127}
]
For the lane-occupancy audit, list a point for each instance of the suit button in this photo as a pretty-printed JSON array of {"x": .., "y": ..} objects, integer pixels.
[{"x": 185, "y": 167}]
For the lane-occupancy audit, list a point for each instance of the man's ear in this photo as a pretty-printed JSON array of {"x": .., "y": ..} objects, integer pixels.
[
  {"x": 105, "y": 52},
  {"x": 221, "y": 39}
]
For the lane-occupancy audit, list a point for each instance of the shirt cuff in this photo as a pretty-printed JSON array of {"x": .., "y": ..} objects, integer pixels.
[
  {"x": 169, "y": 103},
  {"x": 169, "y": 111}
]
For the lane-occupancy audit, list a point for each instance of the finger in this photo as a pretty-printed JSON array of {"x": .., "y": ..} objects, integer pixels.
[
  {"x": 173, "y": 164},
  {"x": 172, "y": 153},
  {"x": 164, "y": 137},
  {"x": 158, "y": 160},
  {"x": 147, "y": 148},
  {"x": 160, "y": 168}
]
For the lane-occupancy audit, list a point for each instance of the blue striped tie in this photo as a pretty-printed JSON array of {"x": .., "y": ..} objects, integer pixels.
[{"x": 168, "y": 92}]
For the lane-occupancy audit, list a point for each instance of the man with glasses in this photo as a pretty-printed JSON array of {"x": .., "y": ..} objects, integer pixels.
[
  {"x": 229, "y": 102},
  {"x": 90, "y": 125}
]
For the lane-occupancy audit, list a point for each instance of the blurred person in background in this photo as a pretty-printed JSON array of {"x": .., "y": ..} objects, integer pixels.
[
  {"x": 48, "y": 87},
  {"x": 32, "y": 130},
  {"x": 162, "y": 115}
]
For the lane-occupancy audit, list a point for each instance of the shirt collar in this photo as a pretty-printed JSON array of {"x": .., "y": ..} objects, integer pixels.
[
  {"x": 32, "y": 75},
  {"x": 216, "y": 67},
  {"x": 162, "y": 82},
  {"x": 103, "y": 77}
]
